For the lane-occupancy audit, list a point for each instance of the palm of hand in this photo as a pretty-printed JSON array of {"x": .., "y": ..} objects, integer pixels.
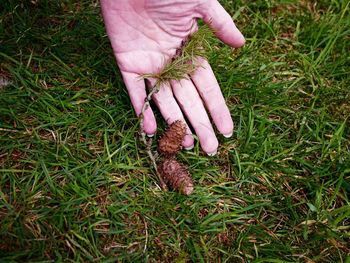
[
  {"x": 144, "y": 36},
  {"x": 148, "y": 34}
]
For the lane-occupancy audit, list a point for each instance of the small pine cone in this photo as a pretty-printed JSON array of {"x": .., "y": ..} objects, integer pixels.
[
  {"x": 170, "y": 143},
  {"x": 176, "y": 176}
]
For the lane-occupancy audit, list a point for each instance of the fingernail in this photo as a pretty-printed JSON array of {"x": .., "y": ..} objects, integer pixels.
[
  {"x": 189, "y": 148},
  {"x": 150, "y": 135},
  {"x": 228, "y": 135},
  {"x": 212, "y": 153}
]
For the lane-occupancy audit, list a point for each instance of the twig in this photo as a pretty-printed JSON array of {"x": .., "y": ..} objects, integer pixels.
[
  {"x": 179, "y": 67},
  {"x": 148, "y": 142}
]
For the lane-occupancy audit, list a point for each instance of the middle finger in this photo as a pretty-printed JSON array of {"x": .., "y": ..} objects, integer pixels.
[{"x": 192, "y": 105}]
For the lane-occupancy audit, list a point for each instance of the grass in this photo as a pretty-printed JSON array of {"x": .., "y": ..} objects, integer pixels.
[{"x": 76, "y": 184}]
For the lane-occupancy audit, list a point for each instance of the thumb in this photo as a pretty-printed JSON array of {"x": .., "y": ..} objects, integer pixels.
[{"x": 221, "y": 22}]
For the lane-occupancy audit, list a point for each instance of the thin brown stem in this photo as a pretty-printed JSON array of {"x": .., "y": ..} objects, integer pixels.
[{"x": 148, "y": 141}]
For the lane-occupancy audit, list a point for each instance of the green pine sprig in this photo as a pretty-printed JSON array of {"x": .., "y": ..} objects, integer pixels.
[{"x": 185, "y": 62}]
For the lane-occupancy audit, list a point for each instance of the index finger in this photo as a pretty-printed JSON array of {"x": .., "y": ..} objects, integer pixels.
[{"x": 137, "y": 91}]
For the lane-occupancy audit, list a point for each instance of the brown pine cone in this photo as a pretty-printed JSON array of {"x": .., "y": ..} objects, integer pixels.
[
  {"x": 176, "y": 176},
  {"x": 170, "y": 143}
]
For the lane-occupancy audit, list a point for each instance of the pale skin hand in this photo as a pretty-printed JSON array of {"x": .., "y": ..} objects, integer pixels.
[{"x": 144, "y": 35}]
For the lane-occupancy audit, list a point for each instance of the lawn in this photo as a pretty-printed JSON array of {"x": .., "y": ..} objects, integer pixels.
[{"x": 77, "y": 185}]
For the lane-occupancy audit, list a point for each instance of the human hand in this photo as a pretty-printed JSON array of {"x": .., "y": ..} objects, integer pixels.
[{"x": 145, "y": 34}]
